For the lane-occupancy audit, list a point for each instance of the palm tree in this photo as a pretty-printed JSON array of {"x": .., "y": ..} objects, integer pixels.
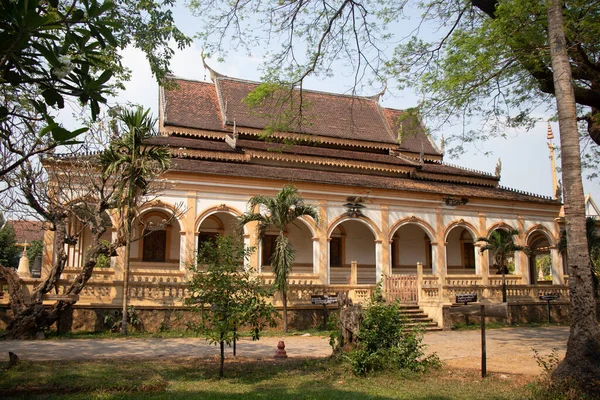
[
  {"x": 136, "y": 165},
  {"x": 279, "y": 211},
  {"x": 501, "y": 245}
]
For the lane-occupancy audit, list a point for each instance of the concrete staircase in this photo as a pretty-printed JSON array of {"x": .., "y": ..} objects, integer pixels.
[{"x": 415, "y": 316}]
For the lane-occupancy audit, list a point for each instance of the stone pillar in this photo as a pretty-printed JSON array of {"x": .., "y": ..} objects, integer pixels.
[
  {"x": 521, "y": 264},
  {"x": 253, "y": 242},
  {"x": 419, "y": 280},
  {"x": 316, "y": 254},
  {"x": 378, "y": 260},
  {"x": 386, "y": 263},
  {"x": 187, "y": 247},
  {"x": 557, "y": 267},
  {"x": 483, "y": 257},
  {"x": 441, "y": 245},
  {"x": 247, "y": 263},
  {"x": 434, "y": 257},
  {"x": 478, "y": 270},
  {"x": 323, "y": 264},
  {"x": 353, "y": 273}
]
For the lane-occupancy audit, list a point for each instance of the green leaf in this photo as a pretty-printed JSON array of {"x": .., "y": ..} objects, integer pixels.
[
  {"x": 52, "y": 97},
  {"x": 63, "y": 135},
  {"x": 48, "y": 53}
]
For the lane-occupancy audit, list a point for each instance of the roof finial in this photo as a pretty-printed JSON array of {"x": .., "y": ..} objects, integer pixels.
[
  {"x": 443, "y": 145},
  {"x": 213, "y": 74},
  {"x": 550, "y": 133},
  {"x": 378, "y": 95}
]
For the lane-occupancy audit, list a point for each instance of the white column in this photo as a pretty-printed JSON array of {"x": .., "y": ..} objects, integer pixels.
[
  {"x": 182, "y": 247},
  {"x": 315, "y": 241},
  {"x": 517, "y": 263},
  {"x": 557, "y": 267},
  {"x": 378, "y": 261},
  {"x": 434, "y": 257},
  {"x": 247, "y": 264},
  {"x": 477, "y": 260},
  {"x": 328, "y": 261},
  {"x": 259, "y": 257}
]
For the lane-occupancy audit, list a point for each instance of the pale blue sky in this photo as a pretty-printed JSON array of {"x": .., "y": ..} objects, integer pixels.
[{"x": 525, "y": 155}]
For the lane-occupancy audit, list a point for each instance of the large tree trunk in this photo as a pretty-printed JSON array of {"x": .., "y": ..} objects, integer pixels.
[
  {"x": 582, "y": 361},
  {"x": 31, "y": 317}
]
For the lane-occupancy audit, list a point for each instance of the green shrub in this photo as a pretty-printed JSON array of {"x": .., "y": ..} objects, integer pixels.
[{"x": 385, "y": 343}]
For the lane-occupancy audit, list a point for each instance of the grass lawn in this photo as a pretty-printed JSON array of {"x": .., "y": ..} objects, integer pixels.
[{"x": 246, "y": 379}]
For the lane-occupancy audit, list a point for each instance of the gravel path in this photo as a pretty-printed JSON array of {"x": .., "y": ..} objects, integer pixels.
[{"x": 509, "y": 350}]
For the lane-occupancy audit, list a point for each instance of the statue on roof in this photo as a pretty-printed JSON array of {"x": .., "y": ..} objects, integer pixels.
[
  {"x": 558, "y": 193},
  {"x": 498, "y": 168}
]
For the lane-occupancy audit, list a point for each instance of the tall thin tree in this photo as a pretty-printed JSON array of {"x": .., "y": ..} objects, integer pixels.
[
  {"x": 279, "y": 211},
  {"x": 582, "y": 360},
  {"x": 137, "y": 164}
]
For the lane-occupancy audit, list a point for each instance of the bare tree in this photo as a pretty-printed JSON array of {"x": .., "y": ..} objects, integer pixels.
[{"x": 70, "y": 193}]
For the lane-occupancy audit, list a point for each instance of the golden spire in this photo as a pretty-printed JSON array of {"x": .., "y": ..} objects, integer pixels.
[{"x": 551, "y": 147}]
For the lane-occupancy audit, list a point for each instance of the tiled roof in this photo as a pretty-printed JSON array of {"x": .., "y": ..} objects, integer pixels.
[
  {"x": 27, "y": 231},
  {"x": 351, "y": 179},
  {"x": 324, "y": 114},
  {"x": 409, "y": 131},
  {"x": 192, "y": 104},
  {"x": 203, "y": 105}
]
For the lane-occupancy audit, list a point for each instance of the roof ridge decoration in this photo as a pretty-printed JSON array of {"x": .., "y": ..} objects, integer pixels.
[
  {"x": 469, "y": 169},
  {"x": 539, "y": 196},
  {"x": 214, "y": 75},
  {"x": 378, "y": 96}
]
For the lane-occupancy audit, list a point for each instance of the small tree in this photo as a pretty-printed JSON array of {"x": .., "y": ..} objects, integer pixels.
[
  {"x": 501, "y": 245},
  {"x": 227, "y": 294},
  {"x": 9, "y": 252},
  {"x": 279, "y": 211}
]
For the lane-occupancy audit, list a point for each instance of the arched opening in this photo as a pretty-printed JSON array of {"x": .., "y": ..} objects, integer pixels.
[
  {"x": 219, "y": 223},
  {"x": 539, "y": 258},
  {"x": 76, "y": 252},
  {"x": 460, "y": 251},
  {"x": 159, "y": 241},
  {"x": 300, "y": 237},
  {"x": 410, "y": 245},
  {"x": 352, "y": 240}
]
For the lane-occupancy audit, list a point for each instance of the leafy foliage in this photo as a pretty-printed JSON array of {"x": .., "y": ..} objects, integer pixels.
[
  {"x": 279, "y": 211},
  {"x": 228, "y": 295},
  {"x": 485, "y": 64},
  {"x": 54, "y": 52},
  {"x": 9, "y": 251},
  {"x": 385, "y": 343},
  {"x": 35, "y": 249},
  {"x": 114, "y": 319}
]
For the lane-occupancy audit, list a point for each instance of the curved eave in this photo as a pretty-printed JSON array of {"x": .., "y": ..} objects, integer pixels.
[{"x": 283, "y": 157}]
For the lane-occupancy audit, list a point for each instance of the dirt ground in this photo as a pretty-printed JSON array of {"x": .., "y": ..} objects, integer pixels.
[{"x": 509, "y": 350}]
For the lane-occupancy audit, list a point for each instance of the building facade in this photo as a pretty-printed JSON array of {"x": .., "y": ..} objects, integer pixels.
[{"x": 389, "y": 204}]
